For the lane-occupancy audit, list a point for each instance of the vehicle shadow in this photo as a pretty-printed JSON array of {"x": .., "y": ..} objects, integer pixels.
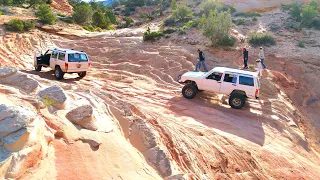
[
  {"x": 213, "y": 111},
  {"x": 49, "y": 75}
]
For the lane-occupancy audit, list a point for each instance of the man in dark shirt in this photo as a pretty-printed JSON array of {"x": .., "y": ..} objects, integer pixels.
[
  {"x": 245, "y": 58},
  {"x": 202, "y": 61}
]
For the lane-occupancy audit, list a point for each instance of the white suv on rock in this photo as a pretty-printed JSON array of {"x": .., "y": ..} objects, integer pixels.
[
  {"x": 63, "y": 61},
  {"x": 238, "y": 84}
]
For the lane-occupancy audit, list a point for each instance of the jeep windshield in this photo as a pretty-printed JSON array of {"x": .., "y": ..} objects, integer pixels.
[{"x": 77, "y": 57}]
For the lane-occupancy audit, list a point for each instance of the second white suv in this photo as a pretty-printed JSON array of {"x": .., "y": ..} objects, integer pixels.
[
  {"x": 63, "y": 61},
  {"x": 238, "y": 84}
]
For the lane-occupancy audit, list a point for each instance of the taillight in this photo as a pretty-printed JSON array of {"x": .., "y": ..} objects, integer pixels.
[
  {"x": 66, "y": 65},
  {"x": 89, "y": 63},
  {"x": 257, "y": 91}
]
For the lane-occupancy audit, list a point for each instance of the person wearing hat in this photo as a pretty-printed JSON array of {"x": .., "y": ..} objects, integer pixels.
[
  {"x": 202, "y": 61},
  {"x": 245, "y": 58},
  {"x": 261, "y": 56}
]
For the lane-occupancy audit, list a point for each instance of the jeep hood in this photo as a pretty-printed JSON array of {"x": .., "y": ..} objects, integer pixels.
[{"x": 194, "y": 74}]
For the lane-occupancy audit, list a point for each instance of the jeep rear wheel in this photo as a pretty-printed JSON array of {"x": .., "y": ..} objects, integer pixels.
[
  {"x": 58, "y": 73},
  {"x": 237, "y": 101},
  {"x": 189, "y": 91},
  {"x": 38, "y": 68},
  {"x": 82, "y": 74}
]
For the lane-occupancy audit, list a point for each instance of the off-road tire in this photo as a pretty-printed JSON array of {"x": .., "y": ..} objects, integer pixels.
[
  {"x": 58, "y": 73},
  {"x": 38, "y": 68},
  {"x": 237, "y": 100},
  {"x": 82, "y": 74},
  {"x": 189, "y": 91}
]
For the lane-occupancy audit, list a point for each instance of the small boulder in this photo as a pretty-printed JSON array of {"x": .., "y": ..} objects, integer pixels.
[
  {"x": 82, "y": 116},
  {"x": 14, "y": 118},
  {"x": 7, "y": 71},
  {"x": 55, "y": 95},
  {"x": 21, "y": 81}
]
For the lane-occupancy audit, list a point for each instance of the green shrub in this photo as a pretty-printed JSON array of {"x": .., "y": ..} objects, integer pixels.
[
  {"x": 15, "y": 25},
  {"x": 308, "y": 15},
  {"x": 152, "y": 36},
  {"x": 182, "y": 13},
  {"x": 0, "y": 13},
  {"x": 127, "y": 11},
  {"x": 88, "y": 28},
  {"x": 82, "y": 13},
  {"x": 45, "y": 14},
  {"x": 239, "y": 22},
  {"x": 173, "y": 5},
  {"x": 181, "y": 31},
  {"x": 316, "y": 24},
  {"x": 169, "y": 31},
  {"x": 210, "y": 5},
  {"x": 255, "y": 18},
  {"x": 261, "y": 39},
  {"x": 112, "y": 17},
  {"x": 100, "y": 20},
  {"x": 68, "y": 20},
  {"x": 301, "y": 44},
  {"x": 169, "y": 21},
  {"x": 28, "y": 25},
  {"x": 245, "y": 14},
  {"x": 293, "y": 25},
  {"x": 190, "y": 24},
  {"x": 62, "y": 15},
  {"x": 227, "y": 41}
]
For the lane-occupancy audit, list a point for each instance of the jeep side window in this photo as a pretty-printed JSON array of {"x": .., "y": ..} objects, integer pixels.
[
  {"x": 55, "y": 54},
  {"x": 215, "y": 76},
  {"x": 231, "y": 78},
  {"x": 61, "y": 56},
  {"x": 247, "y": 81}
]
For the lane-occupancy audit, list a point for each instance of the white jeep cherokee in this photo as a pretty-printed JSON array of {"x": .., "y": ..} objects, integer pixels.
[
  {"x": 238, "y": 84},
  {"x": 63, "y": 61}
]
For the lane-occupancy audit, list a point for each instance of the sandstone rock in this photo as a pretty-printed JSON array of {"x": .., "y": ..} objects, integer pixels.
[
  {"x": 7, "y": 71},
  {"x": 90, "y": 137},
  {"x": 83, "y": 116},
  {"x": 22, "y": 81},
  {"x": 13, "y": 118},
  {"x": 54, "y": 93},
  {"x": 160, "y": 160},
  {"x": 14, "y": 137},
  {"x": 80, "y": 114},
  {"x": 176, "y": 177}
]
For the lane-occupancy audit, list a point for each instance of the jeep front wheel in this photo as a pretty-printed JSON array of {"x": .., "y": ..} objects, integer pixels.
[
  {"x": 237, "y": 101},
  {"x": 58, "y": 73},
  {"x": 189, "y": 91}
]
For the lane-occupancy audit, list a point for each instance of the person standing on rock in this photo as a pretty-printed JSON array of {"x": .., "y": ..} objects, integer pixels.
[
  {"x": 245, "y": 58},
  {"x": 202, "y": 61},
  {"x": 261, "y": 56}
]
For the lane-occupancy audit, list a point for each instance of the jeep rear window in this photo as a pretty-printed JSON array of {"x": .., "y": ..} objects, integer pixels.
[
  {"x": 62, "y": 56},
  {"x": 76, "y": 57},
  {"x": 246, "y": 81}
]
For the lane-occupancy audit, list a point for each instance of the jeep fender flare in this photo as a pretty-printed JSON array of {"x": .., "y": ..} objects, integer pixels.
[{"x": 239, "y": 92}]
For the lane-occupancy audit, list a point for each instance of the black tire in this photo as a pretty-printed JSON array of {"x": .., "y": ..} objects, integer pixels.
[
  {"x": 58, "y": 73},
  {"x": 237, "y": 100},
  {"x": 38, "y": 68},
  {"x": 82, "y": 74},
  {"x": 189, "y": 91}
]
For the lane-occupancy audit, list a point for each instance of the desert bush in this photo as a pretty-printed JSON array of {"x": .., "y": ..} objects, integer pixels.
[
  {"x": 100, "y": 20},
  {"x": 255, "y": 18},
  {"x": 62, "y": 15},
  {"x": 181, "y": 31},
  {"x": 15, "y": 25},
  {"x": 45, "y": 14},
  {"x": 173, "y": 5},
  {"x": 216, "y": 25},
  {"x": 28, "y": 25},
  {"x": 68, "y": 20},
  {"x": 82, "y": 13},
  {"x": 293, "y": 25},
  {"x": 239, "y": 22},
  {"x": 308, "y": 15},
  {"x": 36, "y": 2},
  {"x": 169, "y": 21},
  {"x": 152, "y": 36},
  {"x": 210, "y": 5},
  {"x": 0, "y": 13},
  {"x": 112, "y": 17},
  {"x": 182, "y": 13},
  {"x": 316, "y": 24},
  {"x": 190, "y": 24},
  {"x": 19, "y": 25},
  {"x": 127, "y": 11},
  {"x": 261, "y": 39},
  {"x": 245, "y": 14},
  {"x": 301, "y": 44},
  {"x": 169, "y": 31},
  {"x": 88, "y": 28},
  {"x": 227, "y": 41}
]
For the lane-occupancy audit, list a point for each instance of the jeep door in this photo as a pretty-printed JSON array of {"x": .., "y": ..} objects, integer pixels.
[
  {"x": 212, "y": 82},
  {"x": 53, "y": 59},
  {"x": 229, "y": 83},
  {"x": 78, "y": 62}
]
